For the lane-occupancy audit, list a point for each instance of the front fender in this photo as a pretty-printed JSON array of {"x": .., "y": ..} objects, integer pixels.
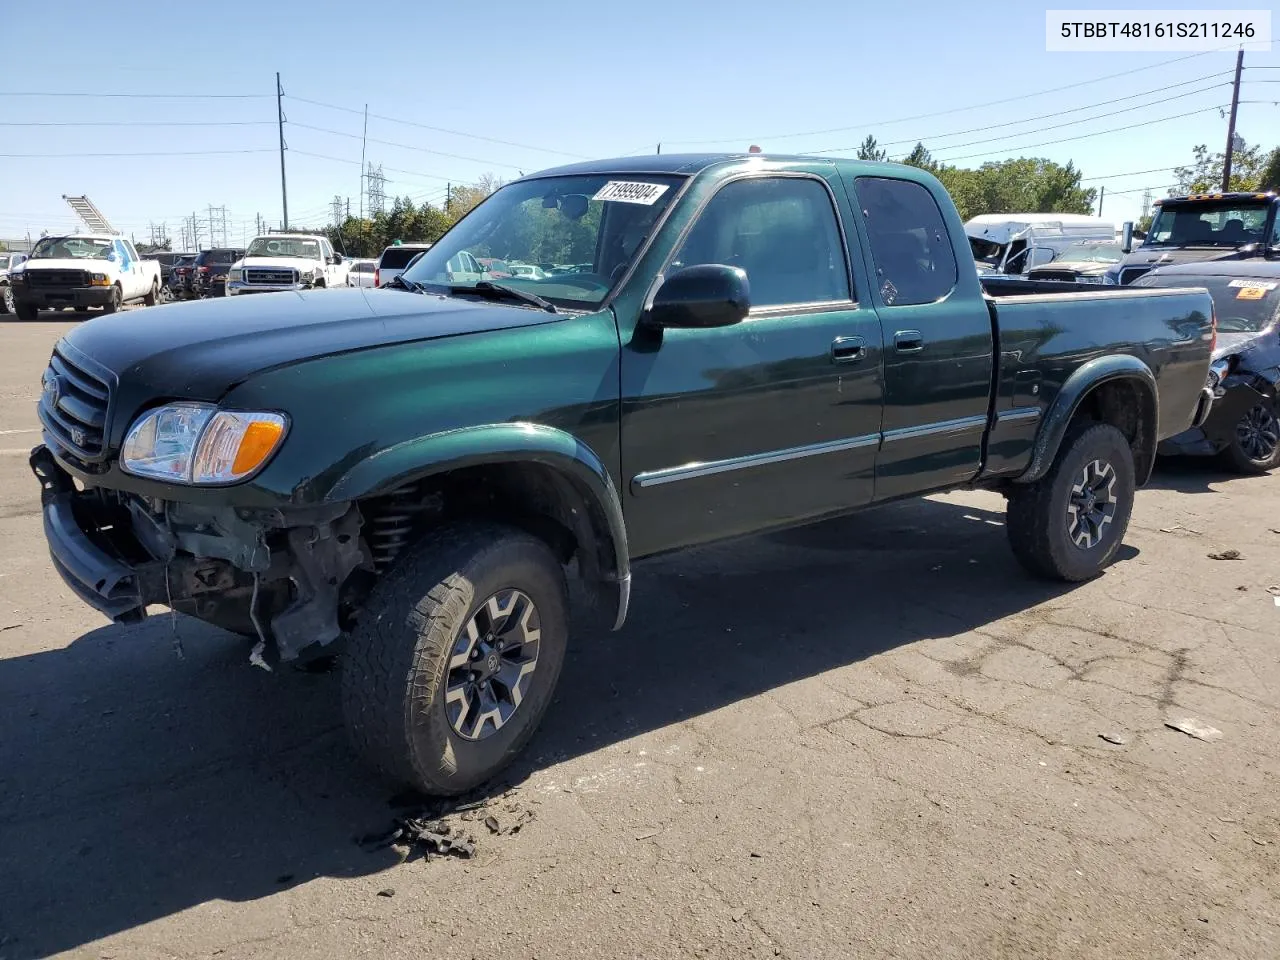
[
  {"x": 1086, "y": 378},
  {"x": 506, "y": 443}
]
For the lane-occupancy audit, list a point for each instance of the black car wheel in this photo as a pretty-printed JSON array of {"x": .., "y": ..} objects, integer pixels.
[
  {"x": 117, "y": 298},
  {"x": 1069, "y": 524},
  {"x": 455, "y": 656},
  {"x": 6, "y": 302},
  {"x": 1255, "y": 445},
  {"x": 152, "y": 298}
]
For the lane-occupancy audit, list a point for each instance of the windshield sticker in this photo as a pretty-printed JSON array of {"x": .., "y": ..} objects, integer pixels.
[
  {"x": 1251, "y": 293},
  {"x": 1253, "y": 285},
  {"x": 626, "y": 191}
]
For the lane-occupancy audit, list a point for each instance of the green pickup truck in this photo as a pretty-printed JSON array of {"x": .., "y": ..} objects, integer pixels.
[{"x": 744, "y": 343}]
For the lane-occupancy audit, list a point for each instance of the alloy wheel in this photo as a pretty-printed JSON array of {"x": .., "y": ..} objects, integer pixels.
[
  {"x": 1258, "y": 433},
  {"x": 492, "y": 665},
  {"x": 1091, "y": 505}
]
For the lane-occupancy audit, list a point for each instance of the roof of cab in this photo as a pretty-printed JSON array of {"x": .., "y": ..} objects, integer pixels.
[{"x": 688, "y": 164}]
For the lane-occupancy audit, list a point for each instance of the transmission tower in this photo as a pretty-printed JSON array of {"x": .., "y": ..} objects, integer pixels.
[
  {"x": 336, "y": 203},
  {"x": 376, "y": 189},
  {"x": 1146, "y": 203}
]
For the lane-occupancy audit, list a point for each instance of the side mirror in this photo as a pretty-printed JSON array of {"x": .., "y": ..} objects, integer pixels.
[
  {"x": 336, "y": 259},
  {"x": 704, "y": 295},
  {"x": 1126, "y": 237}
]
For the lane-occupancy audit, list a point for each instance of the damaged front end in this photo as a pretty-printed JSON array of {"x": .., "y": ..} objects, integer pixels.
[{"x": 283, "y": 576}]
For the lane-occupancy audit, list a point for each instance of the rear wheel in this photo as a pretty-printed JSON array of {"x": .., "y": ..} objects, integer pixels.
[
  {"x": 1255, "y": 446},
  {"x": 1069, "y": 524},
  {"x": 114, "y": 303},
  {"x": 153, "y": 297},
  {"x": 455, "y": 657}
]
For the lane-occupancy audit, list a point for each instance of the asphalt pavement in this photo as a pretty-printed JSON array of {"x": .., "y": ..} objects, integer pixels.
[{"x": 871, "y": 738}]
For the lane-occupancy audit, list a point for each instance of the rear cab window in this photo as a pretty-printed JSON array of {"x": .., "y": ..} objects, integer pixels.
[
  {"x": 909, "y": 242},
  {"x": 397, "y": 258}
]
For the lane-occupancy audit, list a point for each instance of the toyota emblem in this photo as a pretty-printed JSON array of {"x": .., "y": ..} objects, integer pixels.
[{"x": 51, "y": 384}]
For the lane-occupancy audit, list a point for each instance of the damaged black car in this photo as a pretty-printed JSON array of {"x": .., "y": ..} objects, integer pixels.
[{"x": 1242, "y": 427}]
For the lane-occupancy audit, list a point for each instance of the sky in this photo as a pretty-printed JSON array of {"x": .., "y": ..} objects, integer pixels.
[{"x": 455, "y": 92}]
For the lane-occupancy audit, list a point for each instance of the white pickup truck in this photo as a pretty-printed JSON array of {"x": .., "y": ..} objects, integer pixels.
[
  {"x": 82, "y": 270},
  {"x": 286, "y": 261}
]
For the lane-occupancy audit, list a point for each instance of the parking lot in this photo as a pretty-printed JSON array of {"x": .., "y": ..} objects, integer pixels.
[{"x": 871, "y": 738}]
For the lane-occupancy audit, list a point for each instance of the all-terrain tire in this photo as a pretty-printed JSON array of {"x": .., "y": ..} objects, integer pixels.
[
  {"x": 1040, "y": 520},
  {"x": 396, "y": 663},
  {"x": 26, "y": 311},
  {"x": 152, "y": 298}
]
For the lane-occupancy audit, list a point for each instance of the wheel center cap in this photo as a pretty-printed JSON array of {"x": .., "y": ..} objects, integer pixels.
[{"x": 491, "y": 663}]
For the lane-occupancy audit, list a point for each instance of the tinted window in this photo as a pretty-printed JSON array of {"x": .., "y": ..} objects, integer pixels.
[
  {"x": 782, "y": 231},
  {"x": 909, "y": 241},
  {"x": 397, "y": 258}
]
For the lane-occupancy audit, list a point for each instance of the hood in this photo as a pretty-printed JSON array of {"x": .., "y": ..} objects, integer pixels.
[
  {"x": 199, "y": 350},
  {"x": 1163, "y": 257},
  {"x": 1086, "y": 268},
  {"x": 301, "y": 264},
  {"x": 66, "y": 263}
]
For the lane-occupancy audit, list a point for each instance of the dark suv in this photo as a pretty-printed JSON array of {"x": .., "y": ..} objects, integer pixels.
[{"x": 209, "y": 272}]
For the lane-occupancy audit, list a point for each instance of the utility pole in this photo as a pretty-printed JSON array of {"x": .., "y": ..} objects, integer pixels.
[
  {"x": 363, "y": 139},
  {"x": 1102, "y": 195},
  {"x": 211, "y": 240},
  {"x": 1231, "y": 123},
  {"x": 284, "y": 189},
  {"x": 659, "y": 148},
  {"x": 448, "y": 197}
]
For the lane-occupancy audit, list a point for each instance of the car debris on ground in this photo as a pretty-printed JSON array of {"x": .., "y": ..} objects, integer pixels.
[
  {"x": 1194, "y": 728},
  {"x": 438, "y": 827}
]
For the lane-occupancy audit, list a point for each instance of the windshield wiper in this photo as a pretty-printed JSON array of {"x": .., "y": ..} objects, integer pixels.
[
  {"x": 498, "y": 291},
  {"x": 399, "y": 281}
]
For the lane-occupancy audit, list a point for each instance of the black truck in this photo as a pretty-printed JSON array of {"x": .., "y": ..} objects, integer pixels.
[{"x": 744, "y": 343}]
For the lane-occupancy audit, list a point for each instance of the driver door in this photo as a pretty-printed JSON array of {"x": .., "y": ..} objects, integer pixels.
[{"x": 775, "y": 419}]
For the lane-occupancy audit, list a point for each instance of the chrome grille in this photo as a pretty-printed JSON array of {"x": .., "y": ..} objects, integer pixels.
[
  {"x": 269, "y": 275},
  {"x": 73, "y": 408},
  {"x": 44, "y": 279},
  {"x": 1130, "y": 274}
]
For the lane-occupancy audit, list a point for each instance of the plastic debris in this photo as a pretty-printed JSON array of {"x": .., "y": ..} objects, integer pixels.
[
  {"x": 256, "y": 656},
  {"x": 647, "y": 834},
  {"x": 427, "y": 838},
  {"x": 1118, "y": 740},
  {"x": 387, "y": 892},
  {"x": 1226, "y": 555},
  {"x": 1194, "y": 728}
]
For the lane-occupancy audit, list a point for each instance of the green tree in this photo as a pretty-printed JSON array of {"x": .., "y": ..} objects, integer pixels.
[
  {"x": 1269, "y": 178},
  {"x": 920, "y": 157},
  {"x": 870, "y": 150},
  {"x": 1204, "y": 173}
]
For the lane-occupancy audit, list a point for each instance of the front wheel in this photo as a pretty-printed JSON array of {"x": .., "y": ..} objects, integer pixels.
[
  {"x": 1069, "y": 524},
  {"x": 6, "y": 301},
  {"x": 26, "y": 311},
  {"x": 1255, "y": 445},
  {"x": 113, "y": 304},
  {"x": 455, "y": 657}
]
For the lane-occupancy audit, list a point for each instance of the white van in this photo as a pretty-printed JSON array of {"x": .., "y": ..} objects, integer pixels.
[{"x": 1013, "y": 243}]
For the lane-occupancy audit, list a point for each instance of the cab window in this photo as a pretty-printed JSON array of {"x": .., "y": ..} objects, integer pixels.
[
  {"x": 782, "y": 231},
  {"x": 909, "y": 242}
]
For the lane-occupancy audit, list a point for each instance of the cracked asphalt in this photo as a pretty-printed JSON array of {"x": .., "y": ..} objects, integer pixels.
[{"x": 872, "y": 738}]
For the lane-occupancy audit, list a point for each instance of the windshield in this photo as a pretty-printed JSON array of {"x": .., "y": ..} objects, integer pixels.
[
  {"x": 1092, "y": 251},
  {"x": 1243, "y": 304},
  {"x": 71, "y": 248},
  {"x": 1208, "y": 224},
  {"x": 284, "y": 247},
  {"x": 583, "y": 231},
  {"x": 4, "y": 262},
  {"x": 986, "y": 251}
]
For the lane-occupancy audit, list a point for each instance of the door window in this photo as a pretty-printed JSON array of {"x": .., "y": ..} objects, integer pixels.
[
  {"x": 910, "y": 245},
  {"x": 782, "y": 231}
]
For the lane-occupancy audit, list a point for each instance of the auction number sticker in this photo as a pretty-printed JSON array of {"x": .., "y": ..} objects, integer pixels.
[
  {"x": 629, "y": 191},
  {"x": 1250, "y": 293}
]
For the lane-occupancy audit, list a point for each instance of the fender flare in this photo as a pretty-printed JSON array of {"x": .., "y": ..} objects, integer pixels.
[
  {"x": 580, "y": 472},
  {"x": 1086, "y": 378}
]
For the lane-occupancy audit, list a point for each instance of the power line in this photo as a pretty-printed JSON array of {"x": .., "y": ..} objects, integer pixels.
[
  {"x": 1046, "y": 116},
  {"x": 942, "y": 113},
  {"x": 1116, "y": 176},
  {"x": 150, "y": 153},
  {"x": 138, "y": 96},
  {"x": 456, "y": 133},
  {"x": 135, "y": 123},
  {"x": 411, "y": 173},
  {"x": 1083, "y": 136},
  {"x": 403, "y": 146}
]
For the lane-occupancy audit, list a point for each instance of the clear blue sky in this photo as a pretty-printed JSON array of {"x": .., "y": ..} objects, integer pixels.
[{"x": 559, "y": 81}]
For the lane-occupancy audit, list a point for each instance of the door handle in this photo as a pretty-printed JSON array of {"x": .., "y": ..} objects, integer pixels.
[
  {"x": 908, "y": 341},
  {"x": 848, "y": 349}
]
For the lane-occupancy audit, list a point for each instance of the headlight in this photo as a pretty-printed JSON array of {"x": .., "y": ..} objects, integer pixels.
[
  {"x": 197, "y": 443},
  {"x": 308, "y": 276},
  {"x": 1110, "y": 279},
  {"x": 99, "y": 280},
  {"x": 235, "y": 273},
  {"x": 1218, "y": 371}
]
